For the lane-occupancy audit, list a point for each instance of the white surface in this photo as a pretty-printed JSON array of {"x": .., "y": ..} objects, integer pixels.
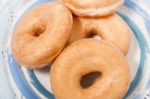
[{"x": 4, "y": 89}]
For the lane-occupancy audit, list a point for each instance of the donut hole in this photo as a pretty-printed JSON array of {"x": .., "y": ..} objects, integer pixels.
[
  {"x": 89, "y": 79},
  {"x": 93, "y": 35},
  {"x": 38, "y": 31},
  {"x": 90, "y": 34}
]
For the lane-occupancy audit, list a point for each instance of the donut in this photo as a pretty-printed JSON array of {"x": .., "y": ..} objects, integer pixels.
[
  {"x": 111, "y": 28},
  {"x": 84, "y": 57},
  {"x": 41, "y": 35},
  {"x": 93, "y": 8}
]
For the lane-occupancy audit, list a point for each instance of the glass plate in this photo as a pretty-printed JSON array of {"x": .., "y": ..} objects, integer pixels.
[{"x": 34, "y": 84}]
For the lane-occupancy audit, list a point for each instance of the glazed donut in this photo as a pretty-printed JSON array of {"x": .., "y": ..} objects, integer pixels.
[
  {"x": 111, "y": 28},
  {"x": 41, "y": 35},
  {"x": 93, "y": 8},
  {"x": 84, "y": 57}
]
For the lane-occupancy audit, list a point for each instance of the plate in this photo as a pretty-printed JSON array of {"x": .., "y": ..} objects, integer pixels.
[{"x": 35, "y": 84}]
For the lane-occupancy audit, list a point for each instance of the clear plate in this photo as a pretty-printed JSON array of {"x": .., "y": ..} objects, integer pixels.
[{"x": 35, "y": 84}]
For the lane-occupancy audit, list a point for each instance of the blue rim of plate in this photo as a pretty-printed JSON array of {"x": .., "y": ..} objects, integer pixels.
[{"x": 25, "y": 88}]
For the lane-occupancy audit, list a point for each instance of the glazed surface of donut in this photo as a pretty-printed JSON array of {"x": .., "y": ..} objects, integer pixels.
[
  {"x": 111, "y": 28},
  {"x": 87, "y": 56},
  {"x": 93, "y": 8},
  {"x": 41, "y": 35}
]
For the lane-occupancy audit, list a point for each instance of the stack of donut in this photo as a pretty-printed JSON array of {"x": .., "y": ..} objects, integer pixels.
[{"x": 79, "y": 38}]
